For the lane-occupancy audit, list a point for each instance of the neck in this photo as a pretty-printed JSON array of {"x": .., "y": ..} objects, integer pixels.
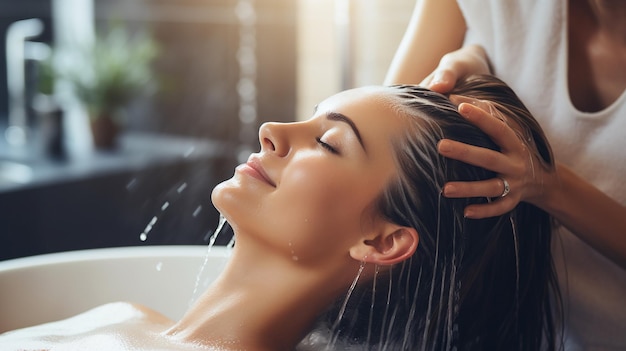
[
  {"x": 610, "y": 15},
  {"x": 259, "y": 303}
]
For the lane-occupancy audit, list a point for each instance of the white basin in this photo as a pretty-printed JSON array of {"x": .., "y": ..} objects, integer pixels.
[{"x": 44, "y": 288}]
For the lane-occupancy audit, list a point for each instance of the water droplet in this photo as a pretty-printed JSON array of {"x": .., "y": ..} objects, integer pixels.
[
  {"x": 150, "y": 225},
  {"x": 231, "y": 243},
  {"x": 207, "y": 236},
  {"x": 212, "y": 239},
  {"x": 342, "y": 310},
  {"x": 181, "y": 188},
  {"x": 143, "y": 237},
  {"x": 165, "y": 205},
  {"x": 189, "y": 151},
  {"x": 130, "y": 185},
  {"x": 293, "y": 252},
  {"x": 197, "y": 211},
  {"x": 159, "y": 266}
]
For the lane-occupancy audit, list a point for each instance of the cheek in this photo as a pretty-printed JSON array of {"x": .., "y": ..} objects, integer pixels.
[
  {"x": 319, "y": 194},
  {"x": 315, "y": 213},
  {"x": 324, "y": 214}
]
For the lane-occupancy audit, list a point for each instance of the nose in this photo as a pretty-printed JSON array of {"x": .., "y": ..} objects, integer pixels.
[{"x": 274, "y": 138}]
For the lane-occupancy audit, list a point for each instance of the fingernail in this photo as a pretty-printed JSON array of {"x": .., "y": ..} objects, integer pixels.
[
  {"x": 468, "y": 214},
  {"x": 438, "y": 78},
  {"x": 465, "y": 109},
  {"x": 449, "y": 190},
  {"x": 444, "y": 146}
]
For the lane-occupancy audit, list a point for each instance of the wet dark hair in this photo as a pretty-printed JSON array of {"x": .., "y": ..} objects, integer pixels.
[{"x": 472, "y": 284}]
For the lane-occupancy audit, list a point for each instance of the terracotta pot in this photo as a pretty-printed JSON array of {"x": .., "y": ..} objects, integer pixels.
[{"x": 105, "y": 132}]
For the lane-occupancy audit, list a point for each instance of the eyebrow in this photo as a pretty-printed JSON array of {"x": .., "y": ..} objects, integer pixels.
[{"x": 336, "y": 116}]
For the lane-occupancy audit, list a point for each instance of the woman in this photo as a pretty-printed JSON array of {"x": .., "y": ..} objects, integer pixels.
[
  {"x": 341, "y": 229},
  {"x": 566, "y": 61},
  {"x": 469, "y": 284}
]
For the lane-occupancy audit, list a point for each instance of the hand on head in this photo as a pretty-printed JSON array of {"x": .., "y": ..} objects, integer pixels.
[
  {"x": 455, "y": 66},
  {"x": 517, "y": 168}
]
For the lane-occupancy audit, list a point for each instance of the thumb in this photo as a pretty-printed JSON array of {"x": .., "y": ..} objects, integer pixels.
[{"x": 443, "y": 80}]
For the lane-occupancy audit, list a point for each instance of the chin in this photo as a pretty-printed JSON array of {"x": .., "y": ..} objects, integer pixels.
[
  {"x": 218, "y": 195},
  {"x": 227, "y": 198}
]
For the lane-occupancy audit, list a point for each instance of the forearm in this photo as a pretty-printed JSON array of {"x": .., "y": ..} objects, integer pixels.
[
  {"x": 588, "y": 213},
  {"x": 436, "y": 28}
]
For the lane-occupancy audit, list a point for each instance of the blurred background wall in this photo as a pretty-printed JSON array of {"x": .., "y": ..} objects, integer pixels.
[{"x": 222, "y": 67}]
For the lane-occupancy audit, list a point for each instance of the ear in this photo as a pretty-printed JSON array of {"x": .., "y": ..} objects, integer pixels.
[{"x": 390, "y": 245}]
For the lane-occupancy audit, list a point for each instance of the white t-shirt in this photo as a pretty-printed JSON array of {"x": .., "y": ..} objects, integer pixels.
[{"x": 526, "y": 41}]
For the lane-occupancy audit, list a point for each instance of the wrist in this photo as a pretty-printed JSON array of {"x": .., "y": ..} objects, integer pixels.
[
  {"x": 548, "y": 191},
  {"x": 479, "y": 52}
]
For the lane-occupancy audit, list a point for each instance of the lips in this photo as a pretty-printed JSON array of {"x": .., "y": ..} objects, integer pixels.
[{"x": 254, "y": 168}]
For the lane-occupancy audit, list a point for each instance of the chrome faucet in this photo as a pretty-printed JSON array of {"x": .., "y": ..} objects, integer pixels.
[{"x": 19, "y": 49}]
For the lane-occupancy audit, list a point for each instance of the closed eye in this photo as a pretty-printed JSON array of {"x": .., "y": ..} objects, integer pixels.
[{"x": 327, "y": 146}]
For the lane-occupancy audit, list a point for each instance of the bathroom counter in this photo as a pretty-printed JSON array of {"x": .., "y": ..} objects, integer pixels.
[
  {"x": 151, "y": 190},
  {"x": 21, "y": 169}
]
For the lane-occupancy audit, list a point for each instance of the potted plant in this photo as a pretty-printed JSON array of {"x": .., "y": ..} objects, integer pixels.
[{"x": 106, "y": 76}]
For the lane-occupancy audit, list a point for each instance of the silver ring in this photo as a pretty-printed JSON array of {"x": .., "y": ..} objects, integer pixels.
[{"x": 507, "y": 187}]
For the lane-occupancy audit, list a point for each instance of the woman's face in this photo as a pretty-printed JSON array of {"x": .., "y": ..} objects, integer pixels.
[{"x": 310, "y": 189}]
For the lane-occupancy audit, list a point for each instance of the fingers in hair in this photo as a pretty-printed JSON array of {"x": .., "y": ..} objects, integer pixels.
[
  {"x": 492, "y": 209},
  {"x": 491, "y": 188},
  {"x": 475, "y": 155},
  {"x": 485, "y": 117}
]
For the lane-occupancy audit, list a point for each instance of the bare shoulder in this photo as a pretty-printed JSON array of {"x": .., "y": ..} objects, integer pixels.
[{"x": 114, "y": 326}]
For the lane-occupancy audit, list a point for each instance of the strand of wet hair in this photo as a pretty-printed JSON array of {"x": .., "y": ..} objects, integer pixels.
[{"x": 334, "y": 332}]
